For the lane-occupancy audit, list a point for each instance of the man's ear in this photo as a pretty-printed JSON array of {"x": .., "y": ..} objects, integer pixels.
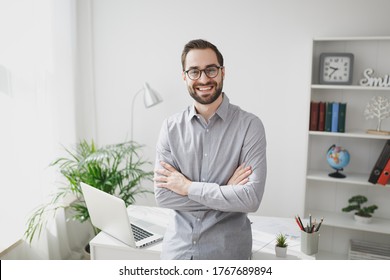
[
  {"x": 184, "y": 76},
  {"x": 223, "y": 72}
]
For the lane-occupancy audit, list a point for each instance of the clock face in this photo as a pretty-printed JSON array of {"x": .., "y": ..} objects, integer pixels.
[{"x": 336, "y": 68}]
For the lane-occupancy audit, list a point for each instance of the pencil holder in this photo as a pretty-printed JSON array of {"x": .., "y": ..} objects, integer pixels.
[{"x": 309, "y": 242}]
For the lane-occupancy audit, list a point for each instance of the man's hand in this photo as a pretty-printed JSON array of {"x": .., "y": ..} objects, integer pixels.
[
  {"x": 171, "y": 179},
  {"x": 241, "y": 175}
]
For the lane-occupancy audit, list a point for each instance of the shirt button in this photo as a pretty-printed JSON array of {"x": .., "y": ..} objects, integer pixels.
[
  {"x": 207, "y": 130},
  {"x": 205, "y": 155},
  {"x": 194, "y": 242},
  {"x": 198, "y": 219}
]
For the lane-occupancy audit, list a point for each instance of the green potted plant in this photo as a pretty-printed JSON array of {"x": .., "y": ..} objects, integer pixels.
[
  {"x": 116, "y": 169},
  {"x": 281, "y": 245},
  {"x": 362, "y": 214}
]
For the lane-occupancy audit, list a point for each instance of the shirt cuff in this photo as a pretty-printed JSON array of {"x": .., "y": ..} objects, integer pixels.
[{"x": 195, "y": 191}]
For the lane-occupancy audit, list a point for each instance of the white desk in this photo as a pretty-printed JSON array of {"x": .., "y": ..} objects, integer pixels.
[{"x": 264, "y": 231}]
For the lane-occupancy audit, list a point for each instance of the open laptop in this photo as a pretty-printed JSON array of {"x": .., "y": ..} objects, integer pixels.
[{"x": 109, "y": 214}]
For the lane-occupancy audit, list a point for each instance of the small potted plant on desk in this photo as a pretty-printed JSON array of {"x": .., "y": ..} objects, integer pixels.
[
  {"x": 362, "y": 214},
  {"x": 281, "y": 245}
]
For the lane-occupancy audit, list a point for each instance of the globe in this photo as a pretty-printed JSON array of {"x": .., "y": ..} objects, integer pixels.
[{"x": 337, "y": 158}]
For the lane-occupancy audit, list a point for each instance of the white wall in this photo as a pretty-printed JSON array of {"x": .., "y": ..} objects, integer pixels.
[
  {"x": 267, "y": 49},
  {"x": 37, "y": 113}
]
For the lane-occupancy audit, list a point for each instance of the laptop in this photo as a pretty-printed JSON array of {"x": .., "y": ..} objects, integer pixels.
[{"x": 109, "y": 214}]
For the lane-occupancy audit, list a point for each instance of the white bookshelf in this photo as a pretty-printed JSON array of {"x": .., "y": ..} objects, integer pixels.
[
  {"x": 354, "y": 88},
  {"x": 326, "y": 196},
  {"x": 352, "y": 178},
  {"x": 378, "y": 225},
  {"x": 354, "y": 133}
]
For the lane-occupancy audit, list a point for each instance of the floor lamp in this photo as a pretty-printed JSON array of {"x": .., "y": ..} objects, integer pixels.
[{"x": 151, "y": 98}]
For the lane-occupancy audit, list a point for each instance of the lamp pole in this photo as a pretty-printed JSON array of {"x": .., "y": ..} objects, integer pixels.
[{"x": 132, "y": 113}]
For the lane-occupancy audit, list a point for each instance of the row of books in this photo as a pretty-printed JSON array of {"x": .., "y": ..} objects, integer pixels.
[
  {"x": 380, "y": 173},
  {"x": 327, "y": 116}
]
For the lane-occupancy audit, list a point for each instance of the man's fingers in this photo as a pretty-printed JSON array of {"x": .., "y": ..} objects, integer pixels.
[
  {"x": 162, "y": 172},
  {"x": 240, "y": 174},
  {"x": 243, "y": 182},
  {"x": 161, "y": 185},
  {"x": 167, "y": 166},
  {"x": 240, "y": 167},
  {"x": 244, "y": 175},
  {"x": 161, "y": 179}
]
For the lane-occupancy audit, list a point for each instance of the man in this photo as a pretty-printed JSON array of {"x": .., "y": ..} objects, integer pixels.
[{"x": 210, "y": 166}]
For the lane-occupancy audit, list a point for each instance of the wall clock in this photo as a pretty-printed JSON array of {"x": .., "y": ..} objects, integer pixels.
[{"x": 336, "y": 68}]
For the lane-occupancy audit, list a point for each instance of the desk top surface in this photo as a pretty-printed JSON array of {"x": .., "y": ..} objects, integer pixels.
[{"x": 264, "y": 231}]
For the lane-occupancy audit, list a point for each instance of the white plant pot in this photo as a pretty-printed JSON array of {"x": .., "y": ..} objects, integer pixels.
[
  {"x": 363, "y": 220},
  {"x": 280, "y": 252}
]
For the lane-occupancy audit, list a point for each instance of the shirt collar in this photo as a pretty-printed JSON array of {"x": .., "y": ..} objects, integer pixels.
[{"x": 222, "y": 110}]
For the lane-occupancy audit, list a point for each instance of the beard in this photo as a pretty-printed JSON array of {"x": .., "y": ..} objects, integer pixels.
[{"x": 211, "y": 97}]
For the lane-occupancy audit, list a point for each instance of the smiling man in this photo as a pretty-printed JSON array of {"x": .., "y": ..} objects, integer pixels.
[{"x": 210, "y": 165}]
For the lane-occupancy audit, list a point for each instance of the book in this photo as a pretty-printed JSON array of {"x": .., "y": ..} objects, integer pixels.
[
  {"x": 335, "y": 117},
  {"x": 328, "y": 116},
  {"x": 314, "y": 110},
  {"x": 385, "y": 175},
  {"x": 380, "y": 163},
  {"x": 342, "y": 116},
  {"x": 321, "y": 116}
]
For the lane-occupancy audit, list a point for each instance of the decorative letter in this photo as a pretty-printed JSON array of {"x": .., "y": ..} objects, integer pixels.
[{"x": 370, "y": 81}]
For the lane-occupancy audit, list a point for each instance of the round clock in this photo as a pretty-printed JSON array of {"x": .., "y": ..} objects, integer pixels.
[{"x": 336, "y": 68}]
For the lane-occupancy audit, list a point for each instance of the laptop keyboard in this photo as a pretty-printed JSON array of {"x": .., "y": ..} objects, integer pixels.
[{"x": 140, "y": 233}]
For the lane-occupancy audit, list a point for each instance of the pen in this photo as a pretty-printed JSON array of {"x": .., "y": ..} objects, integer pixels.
[
  {"x": 299, "y": 225},
  {"x": 300, "y": 221},
  {"x": 318, "y": 227}
]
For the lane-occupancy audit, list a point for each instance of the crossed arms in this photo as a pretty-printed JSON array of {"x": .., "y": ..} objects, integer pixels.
[
  {"x": 168, "y": 177},
  {"x": 242, "y": 192}
]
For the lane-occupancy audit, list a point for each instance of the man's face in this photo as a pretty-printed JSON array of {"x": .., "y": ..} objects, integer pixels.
[{"x": 204, "y": 90}]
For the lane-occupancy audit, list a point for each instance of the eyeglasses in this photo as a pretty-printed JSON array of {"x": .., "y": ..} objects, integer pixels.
[{"x": 211, "y": 72}]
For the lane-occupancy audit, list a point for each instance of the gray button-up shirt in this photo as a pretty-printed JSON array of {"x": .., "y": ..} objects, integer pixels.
[{"x": 211, "y": 222}]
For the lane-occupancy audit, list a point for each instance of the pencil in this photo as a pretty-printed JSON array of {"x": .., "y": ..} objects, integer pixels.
[
  {"x": 300, "y": 221},
  {"x": 299, "y": 225},
  {"x": 318, "y": 227}
]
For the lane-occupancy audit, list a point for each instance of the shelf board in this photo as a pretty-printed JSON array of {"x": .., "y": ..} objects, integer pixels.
[
  {"x": 350, "y": 134},
  {"x": 352, "y": 178},
  {"x": 368, "y": 38},
  {"x": 347, "y": 87},
  {"x": 343, "y": 220}
]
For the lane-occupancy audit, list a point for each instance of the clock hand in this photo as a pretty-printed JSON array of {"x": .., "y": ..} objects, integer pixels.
[{"x": 334, "y": 70}]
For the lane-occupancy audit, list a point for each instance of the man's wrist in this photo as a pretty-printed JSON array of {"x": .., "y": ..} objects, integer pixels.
[{"x": 187, "y": 186}]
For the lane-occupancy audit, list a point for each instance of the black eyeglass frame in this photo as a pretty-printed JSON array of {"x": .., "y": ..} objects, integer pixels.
[{"x": 204, "y": 71}]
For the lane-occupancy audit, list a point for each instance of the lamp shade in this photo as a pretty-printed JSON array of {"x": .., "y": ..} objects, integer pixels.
[{"x": 151, "y": 97}]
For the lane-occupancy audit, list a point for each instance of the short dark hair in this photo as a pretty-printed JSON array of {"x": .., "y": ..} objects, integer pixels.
[{"x": 199, "y": 44}]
